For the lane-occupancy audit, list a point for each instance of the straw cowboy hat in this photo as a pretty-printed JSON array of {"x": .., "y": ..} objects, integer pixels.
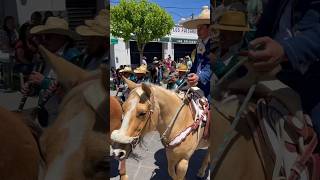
[
  {"x": 232, "y": 21},
  {"x": 96, "y": 27},
  {"x": 126, "y": 70},
  {"x": 55, "y": 25},
  {"x": 141, "y": 70},
  {"x": 203, "y": 18},
  {"x": 182, "y": 68}
]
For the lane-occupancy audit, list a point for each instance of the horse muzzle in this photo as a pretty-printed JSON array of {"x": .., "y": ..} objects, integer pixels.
[{"x": 120, "y": 137}]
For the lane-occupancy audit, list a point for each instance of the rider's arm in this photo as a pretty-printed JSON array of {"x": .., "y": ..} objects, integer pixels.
[{"x": 303, "y": 49}]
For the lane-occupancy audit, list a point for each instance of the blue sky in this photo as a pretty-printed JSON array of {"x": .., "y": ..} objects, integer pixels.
[{"x": 179, "y": 8}]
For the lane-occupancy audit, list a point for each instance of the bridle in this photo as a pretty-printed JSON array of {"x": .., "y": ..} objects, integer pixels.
[{"x": 143, "y": 123}]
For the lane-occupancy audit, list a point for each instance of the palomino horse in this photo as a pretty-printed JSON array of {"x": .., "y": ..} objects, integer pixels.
[
  {"x": 257, "y": 148},
  {"x": 19, "y": 154},
  {"x": 150, "y": 108},
  {"x": 75, "y": 145}
]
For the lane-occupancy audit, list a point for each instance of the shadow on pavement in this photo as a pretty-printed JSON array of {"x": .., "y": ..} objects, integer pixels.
[{"x": 161, "y": 172}]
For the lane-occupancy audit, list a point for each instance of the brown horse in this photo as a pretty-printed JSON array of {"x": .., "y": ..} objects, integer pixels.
[
  {"x": 115, "y": 123},
  {"x": 150, "y": 108},
  {"x": 19, "y": 154}
]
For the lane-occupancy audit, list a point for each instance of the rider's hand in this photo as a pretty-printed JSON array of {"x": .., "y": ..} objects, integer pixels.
[
  {"x": 193, "y": 79},
  {"x": 25, "y": 89},
  {"x": 36, "y": 78},
  {"x": 268, "y": 58}
]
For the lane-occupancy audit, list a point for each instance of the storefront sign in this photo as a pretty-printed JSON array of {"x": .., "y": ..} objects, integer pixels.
[{"x": 183, "y": 41}]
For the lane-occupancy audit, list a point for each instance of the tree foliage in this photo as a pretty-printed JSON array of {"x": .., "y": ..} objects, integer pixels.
[{"x": 144, "y": 20}]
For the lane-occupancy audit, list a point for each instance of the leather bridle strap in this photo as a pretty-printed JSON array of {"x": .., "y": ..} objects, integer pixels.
[{"x": 144, "y": 123}]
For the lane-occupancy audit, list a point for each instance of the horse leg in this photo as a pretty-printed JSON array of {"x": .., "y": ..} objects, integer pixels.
[
  {"x": 122, "y": 170},
  {"x": 181, "y": 169},
  {"x": 204, "y": 165},
  {"x": 172, "y": 167}
]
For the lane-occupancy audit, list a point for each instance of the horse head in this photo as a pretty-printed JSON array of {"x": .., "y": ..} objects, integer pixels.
[
  {"x": 139, "y": 111},
  {"x": 75, "y": 144}
]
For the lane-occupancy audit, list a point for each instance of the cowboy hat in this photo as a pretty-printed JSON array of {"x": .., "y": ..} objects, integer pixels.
[
  {"x": 232, "y": 21},
  {"x": 96, "y": 27},
  {"x": 55, "y": 25},
  {"x": 203, "y": 18},
  {"x": 142, "y": 70},
  {"x": 182, "y": 68},
  {"x": 126, "y": 70}
]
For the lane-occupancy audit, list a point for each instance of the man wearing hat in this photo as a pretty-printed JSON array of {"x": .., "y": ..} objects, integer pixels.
[
  {"x": 157, "y": 71},
  {"x": 144, "y": 61},
  {"x": 123, "y": 87},
  {"x": 178, "y": 77},
  {"x": 200, "y": 72},
  {"x": 231, "y": 26},
  {"x": 56, "y": 36},
  {"x": 141, "y": 73},
  {"x": 95, "y": 33}
]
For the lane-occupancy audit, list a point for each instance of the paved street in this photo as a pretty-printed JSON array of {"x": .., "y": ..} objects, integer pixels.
[
  {"x": 151, "y": 162},
  {"x": 11, "y": 101}
]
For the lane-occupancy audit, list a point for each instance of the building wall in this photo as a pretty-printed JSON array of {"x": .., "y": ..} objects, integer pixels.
[
  {"x": 25, "y": 11},
  {"x": 178, "y": 36},
  {"x": 120, "y": 54},
  {"x": 7, "y": 8}
]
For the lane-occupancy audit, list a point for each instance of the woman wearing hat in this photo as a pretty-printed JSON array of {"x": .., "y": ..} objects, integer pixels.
[
  {"x": 95, "y": 33},
  {"x": 200, "y": 71},
  {"x": 231, "y": 26}
]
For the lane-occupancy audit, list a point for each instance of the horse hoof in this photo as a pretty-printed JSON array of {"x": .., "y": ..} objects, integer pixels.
[{"x": 124, "y": 177}]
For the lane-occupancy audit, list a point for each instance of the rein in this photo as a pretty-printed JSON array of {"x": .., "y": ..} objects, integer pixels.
[{"x": 164, "y": 136}]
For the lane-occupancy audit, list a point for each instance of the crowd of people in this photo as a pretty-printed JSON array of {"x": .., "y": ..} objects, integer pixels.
[
  {"x": 53, "y": 33},
  {"x": 166, "y": 72}
]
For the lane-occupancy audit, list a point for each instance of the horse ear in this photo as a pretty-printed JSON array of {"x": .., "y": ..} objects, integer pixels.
[
  {"x": 147, "y": 89},
  {"x": 68, "y": 73},
  {"x": 131, "y": 84}
]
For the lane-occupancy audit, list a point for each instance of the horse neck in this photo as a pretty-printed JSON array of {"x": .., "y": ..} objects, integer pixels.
[{"x": 168, "y": 103}]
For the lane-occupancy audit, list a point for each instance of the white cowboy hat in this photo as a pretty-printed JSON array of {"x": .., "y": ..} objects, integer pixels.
[
  {"x": 96, "y": 27},
  {"x": 232, "y": 21},
  {"x": 203, "y": 18},
  {"x": 182, "y": 68},
  {"x": 55, "y": 25},
  {"x": 142, "y": 70},
  {"x": 126, "y": 69}
]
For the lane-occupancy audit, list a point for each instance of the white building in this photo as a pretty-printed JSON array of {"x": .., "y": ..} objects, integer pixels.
[
  {"x": 75, "y": 10},
  {"x": 178, "y": 44}
]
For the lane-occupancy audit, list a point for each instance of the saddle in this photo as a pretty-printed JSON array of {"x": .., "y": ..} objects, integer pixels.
[
  {"x": 279, "y": 126},
  {"x": 199, "y": 106}
]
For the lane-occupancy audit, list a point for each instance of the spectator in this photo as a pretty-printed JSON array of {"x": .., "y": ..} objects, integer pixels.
[
  {"x": 47, "y": 14},
  {"x": 95, "y": 33},
  {"x": 25, "y": 51},
  {"x": 57, "y": 38},
  {"x": 8, "y": 34},
  {"x": 36, "y": 18},
  {"x": 144, "y": 61}
]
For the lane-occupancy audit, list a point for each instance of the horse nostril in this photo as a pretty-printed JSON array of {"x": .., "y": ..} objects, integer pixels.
[{"x": 122, "y": 154}]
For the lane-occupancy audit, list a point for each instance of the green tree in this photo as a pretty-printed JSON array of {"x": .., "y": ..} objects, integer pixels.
[{"x": 139, "y": 18}]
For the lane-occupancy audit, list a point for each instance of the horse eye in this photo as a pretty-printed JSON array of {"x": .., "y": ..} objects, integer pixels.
[{"x": 142, "y": 114}]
